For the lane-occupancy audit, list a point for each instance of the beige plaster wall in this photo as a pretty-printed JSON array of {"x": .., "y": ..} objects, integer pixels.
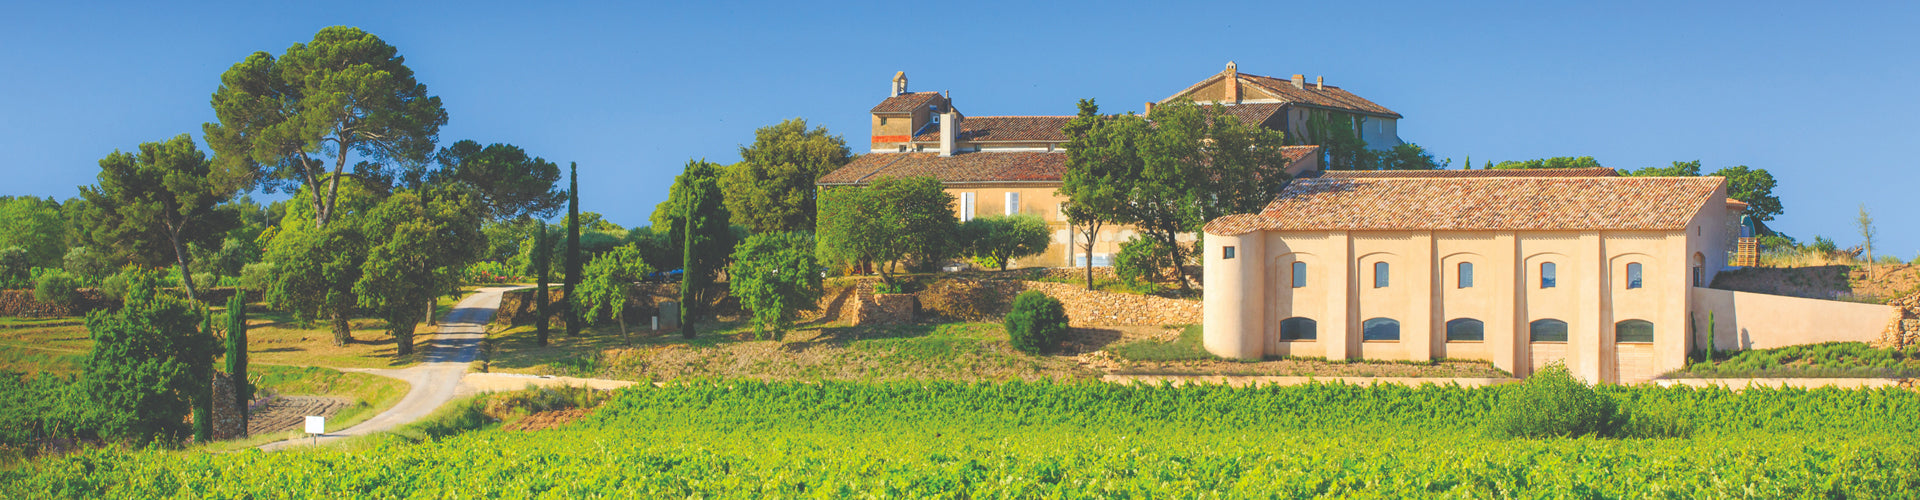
[
  {"x": 1759, "y": 321},
  {"x": 1424, "y": 292}
]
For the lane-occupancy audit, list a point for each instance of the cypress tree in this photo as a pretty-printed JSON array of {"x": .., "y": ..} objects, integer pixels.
[
  {"x": 541, "y": 255},
  {"x": 203, "y": 393},
  {"x": 689, "y": 230},
  {"x": 573, "y": 247},
  {"x": 237, "y": 352}
]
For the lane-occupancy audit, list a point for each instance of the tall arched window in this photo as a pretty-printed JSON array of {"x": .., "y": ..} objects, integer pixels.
[
  {"x": 1633, "y": 331},
  {"x": 1547, "y": 330},
  {"x": 1298, "y": 329},
  {"x": 1465, "y": 279},
  {"x": 1548, "y": 276},
  {"x": 1299, "y": 275},
  {"x": 1380, "y": 329},
  {"x": 1633, "y": 275},
  {"x": 1379, "y": 275},
  {"x": 1466, "y": 330}
]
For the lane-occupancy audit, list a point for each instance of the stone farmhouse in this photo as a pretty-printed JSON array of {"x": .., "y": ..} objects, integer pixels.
[
  {"x": 1520, "y": 268},
  {"x": 1005, "y": 165}
]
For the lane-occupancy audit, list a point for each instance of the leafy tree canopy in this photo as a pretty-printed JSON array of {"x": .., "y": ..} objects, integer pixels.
[
  {"x": 148, "y": 363},
  {"x": 150, "y": 205},
  {"x": 35, "y": 225},
  {"x": 772, "y": 188},
  {"x": 1554, "y": 162},
  {"x": 1189, "y": 165},
  {"x": 1004, "y": 238},
  {"x": 774, "y": 275},
  {"x": 415, "y": 243},
  {"x": 607, "y": 286},
  {"x": 713, "y": 251},
  {"x": 890, "y": 220},
  {"x": 506, "y": 182},
  {"x": 345, "y": 94},
  {"x": 1678, "y": 169}
]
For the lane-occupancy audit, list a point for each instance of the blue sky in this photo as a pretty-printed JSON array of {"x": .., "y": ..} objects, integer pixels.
[{"x": 1825, "y": 98}]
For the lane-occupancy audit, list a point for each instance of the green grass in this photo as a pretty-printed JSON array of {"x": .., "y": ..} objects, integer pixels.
[
  {"x": 1825, "y": 360},
  {"x": 1187, "y": 348},
  {"x": 920, "y": 439}
]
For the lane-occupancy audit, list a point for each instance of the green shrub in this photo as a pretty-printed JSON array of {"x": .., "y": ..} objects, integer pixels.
[
  {"x": 1140, "y": 261},
  {"x": 55, "y": 286},
  {"x": 1037, "y": 322},
  {"x": 1552, "y": 403},
  {"x": 256, "y": 276},
  {"x": 962, "y": 300}
]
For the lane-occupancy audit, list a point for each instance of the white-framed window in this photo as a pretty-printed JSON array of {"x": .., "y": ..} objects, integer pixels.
[
  {"x": 1013, "y": 203},
  {"x": 966, "y": 207}
]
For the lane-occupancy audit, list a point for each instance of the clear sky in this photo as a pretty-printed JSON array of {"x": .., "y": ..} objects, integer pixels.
[{"x": 1822, "y": 95}]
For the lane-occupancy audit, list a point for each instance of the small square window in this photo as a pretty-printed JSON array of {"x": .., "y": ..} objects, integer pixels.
[
  {"x": 1466, "y": 275},
  {"x": 1547, "y": 275},
  {"x": 1299, "y": 275},
  {"x": 1633, "y": 275},
  {"x": 1226, "y": 252},
  {"x": 1379, "y": 275}
]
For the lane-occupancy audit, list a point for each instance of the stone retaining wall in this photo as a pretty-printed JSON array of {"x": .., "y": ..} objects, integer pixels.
[
  {"x": 1903, "y": 330},
  {"x": 20, "y": 303},
  {"x": 1084, "y": 307}
]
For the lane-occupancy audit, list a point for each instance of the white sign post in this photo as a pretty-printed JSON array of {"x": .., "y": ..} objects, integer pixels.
[{"x": 316, "y": 426}]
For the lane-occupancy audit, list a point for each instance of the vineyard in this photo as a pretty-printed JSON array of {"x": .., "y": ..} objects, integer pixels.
[{"x": 740, "y": 439}]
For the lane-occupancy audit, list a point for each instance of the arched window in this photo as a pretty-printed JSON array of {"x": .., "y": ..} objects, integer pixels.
[
  {"x": 1547, "y": 330},
  {"x": 1465, "y": 279},
  {"x": 1379, "y": 275},
  {"x": 1380, "y": 329},
  {"x": 1548, "y": 278},
  {"x": 1466, "y": 330},
  {"x": 1633, "y": 275},
  {"x": 1298, "y": 329},
  {"x": 1299, "y": 275},
  {"x": 1633, "y": 331}
]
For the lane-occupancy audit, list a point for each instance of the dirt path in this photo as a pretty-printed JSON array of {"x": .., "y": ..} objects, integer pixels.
[{"x": 436, "y": 379}]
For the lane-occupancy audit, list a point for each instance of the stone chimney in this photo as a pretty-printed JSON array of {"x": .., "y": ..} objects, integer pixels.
[
  {"x": 899, "y": 84},
  {"x": 1149, "y": 107},
  {"x": 1300, "y": 82},
  {"x": 949, "y": 130},
  {"x": 1233, "y": 82},
  {"x": 1320, "y": 82}
]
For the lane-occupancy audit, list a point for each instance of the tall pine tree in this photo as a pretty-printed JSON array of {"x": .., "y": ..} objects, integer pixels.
[{"x": 573, "y": 247}]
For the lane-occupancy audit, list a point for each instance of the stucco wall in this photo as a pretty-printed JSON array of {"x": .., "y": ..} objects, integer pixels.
[
  {"x": 1759, "y": 321},
  {"x": 1423, "y": 293}
]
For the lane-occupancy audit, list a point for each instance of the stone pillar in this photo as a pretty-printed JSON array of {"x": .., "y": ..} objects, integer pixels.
[
  {"x": 1588, "y": 355},
  {"x": 1340, "y": 333},
  {"x": 229, "y": 422},
  {"x": 1507, "y": 330},
  {"x": 1419, "y": 330}
]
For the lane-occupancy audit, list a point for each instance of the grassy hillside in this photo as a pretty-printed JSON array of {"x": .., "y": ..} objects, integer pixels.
[{"x": 741, "y": 439}]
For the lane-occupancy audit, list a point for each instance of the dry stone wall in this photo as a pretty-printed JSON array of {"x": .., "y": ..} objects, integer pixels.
[
  {"x": 1084, "y": 307},
  {"x": 1903, "y": 330}
]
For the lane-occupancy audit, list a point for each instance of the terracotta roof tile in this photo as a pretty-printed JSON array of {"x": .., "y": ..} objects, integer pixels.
[
  {"x": 1295, "y": 153},
  {"x": 1518, "y": 172},
  {"x": 1006, "y": 128},
  {"x": 1327, "y": 97},
  {"x": 906, "y": 102},
  {"x": 964, "y": 167},
  {"x": 1485, "y": 203},
  {"x": 1252, "y": 113}
]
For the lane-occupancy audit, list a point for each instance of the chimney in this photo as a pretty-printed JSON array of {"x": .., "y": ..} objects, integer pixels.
[
  {"x": 1320, "y": 82},
  {"x": 899, "y": 83},
  {"x": 1149, "y": 107},
  {"x": 949, "y": 130},
  {"x": 1300, "y": 82},
  {"x": 1233, "y": 82}
]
